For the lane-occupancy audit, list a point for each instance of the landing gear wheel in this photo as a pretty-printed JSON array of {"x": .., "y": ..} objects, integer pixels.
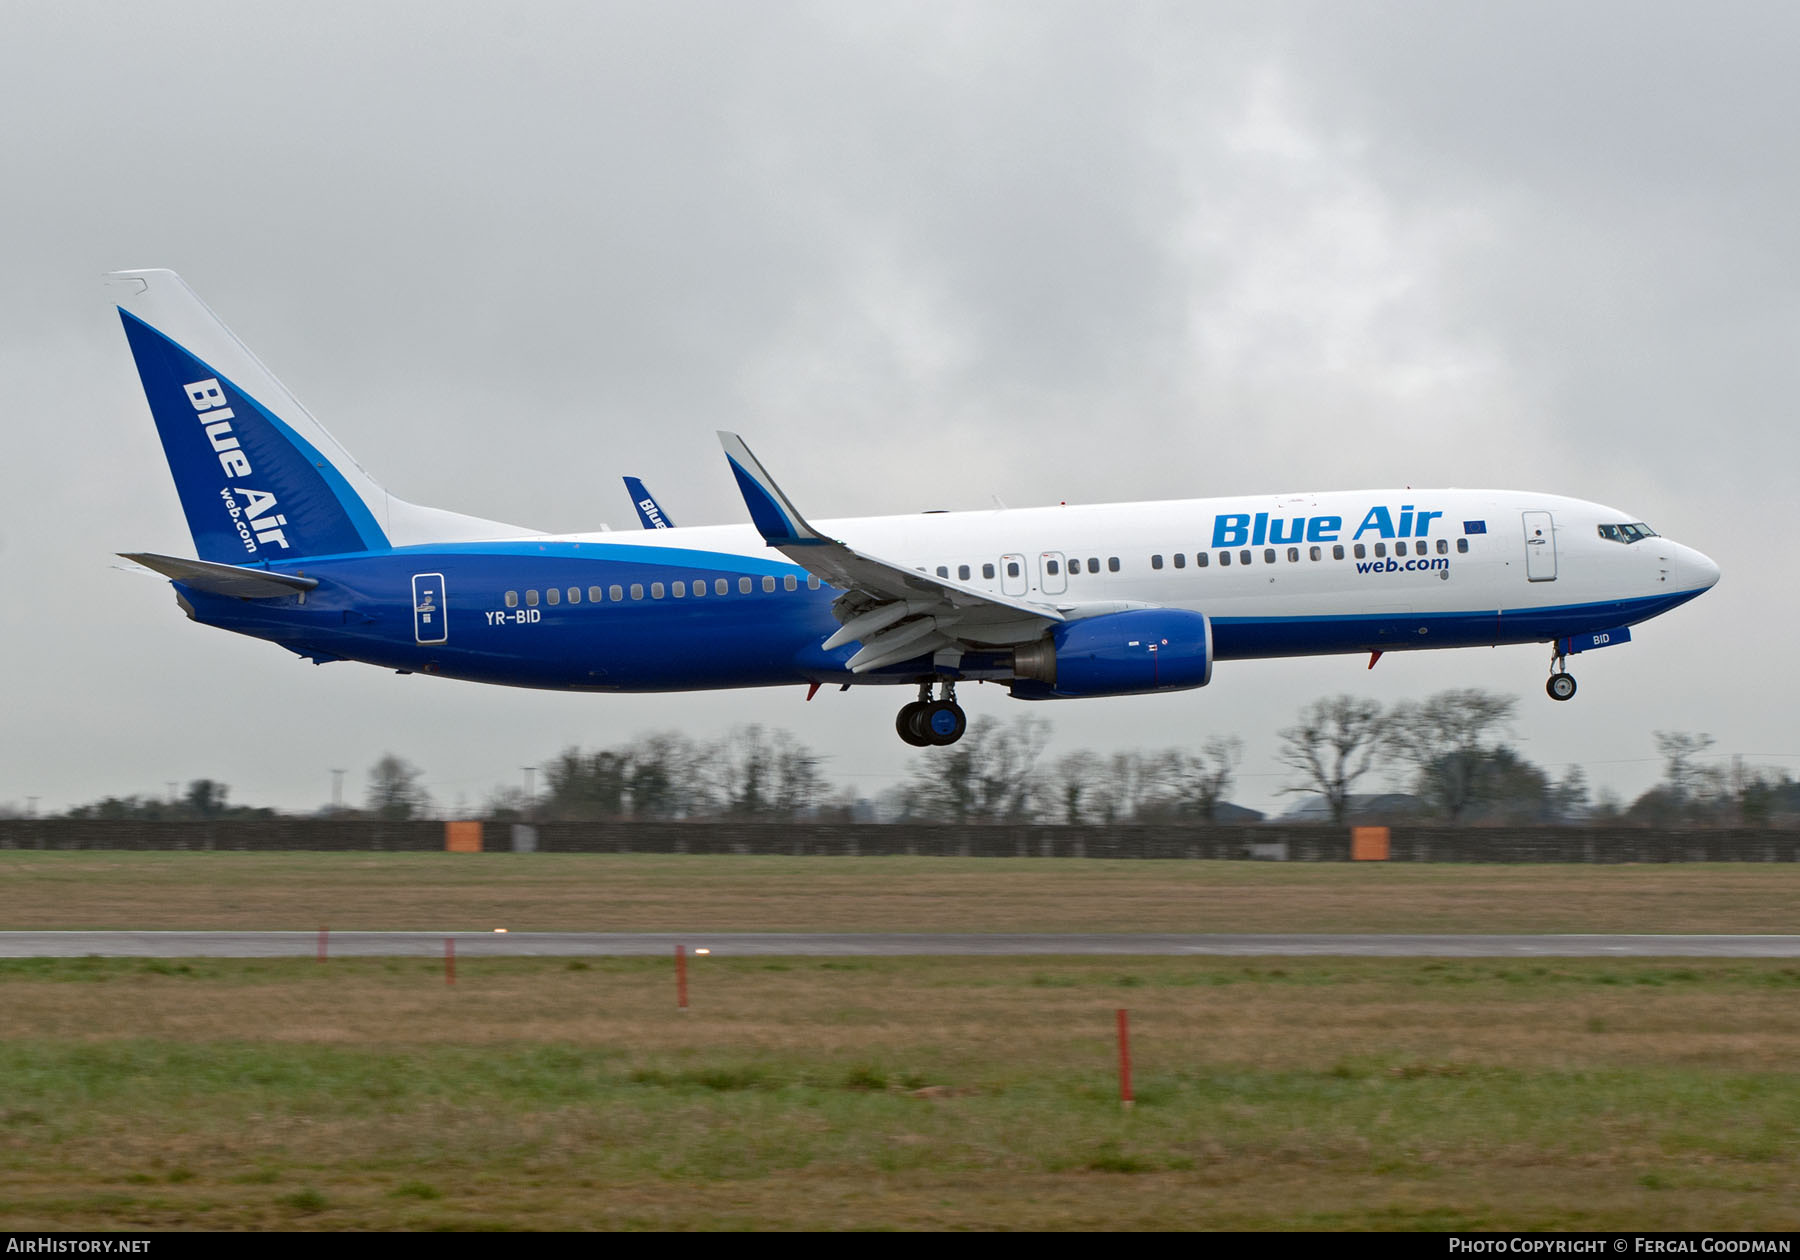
[
  {"x": 1560, "y": 686},
  {"x": 944, "y": 722},
  {"x": 911, "y": 726}
]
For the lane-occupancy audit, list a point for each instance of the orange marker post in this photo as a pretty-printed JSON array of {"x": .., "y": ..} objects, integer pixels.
[
  {"x": 1125, "y": 1099},
  {"x": 1369, "y": 844}
]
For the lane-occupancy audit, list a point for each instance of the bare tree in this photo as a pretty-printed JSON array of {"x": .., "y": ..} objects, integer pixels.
[
  {"x": 987, "y": 776},
  {"x": 1196, "y": 782},
  {"x": 799, "y": 778},
  {"x": 1680, "y": 750},
  {"x": 1569, "y": 800},
  {"x": 395, "y": 790},
  {"x": 1449, "y": 739},
  {"x": 767, "y": 776},
  {"x": 1333, "y": 745},
  {"x": 1069, "y": 788},
  {"x": 1129, "y": 782}
]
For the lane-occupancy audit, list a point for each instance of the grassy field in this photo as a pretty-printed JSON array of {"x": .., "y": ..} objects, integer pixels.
[
  {"x": 924, "y": 1093},
  {"x": 576, "y": 892},
  {"x": 894, "y": 1093}
]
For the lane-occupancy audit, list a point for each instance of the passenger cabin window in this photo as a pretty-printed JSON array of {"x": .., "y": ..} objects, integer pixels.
[
  {"x": 1052, "y": 568},
  {"x": 812, "y": 581},
  {"x": 616, "y": 593},
  {"x": 637, "y": 590},
  {"x": 1180, "y": 560},
  {"x": 1268, "y": 555},
  {"x": 1337, "y": 552},
  {"x": 1380, "y": 551},
  {"x": 1462, "y": 545},
  {"x": 962, "y": 573},
  {"x": 679, "y": 590},
  {"x": 768, "y": 585},
  {"x": 943, "y": 572},
  {"x": 721, "y": 586},
  {"x": 512, "y": 599},
  {"x": 1317, "y": 553},
  {"x": 595, "y": 595},
  {"x": 1361, "y": 552},
  {"x": 1293, "y": 555},
  {"x": 553, "y": 597},
  {"x": 1156, "y": 562},
  {"x": 699, "y": 588},
  {"x": 743, "y": 586},
  {"x": 656, "y": 590},
  {"x": 987, "y": 571},
  {"x": 1245, "y": 556},
  {"x": 1012, "y": 568},
  {"x": 1112, "y": 564},
  {"x": 531, "y": 598},
  {"x": 1399, "y": 548},
  {"x": 1443, "y": 547},
  {"x": 1201, "y": 558},
  {"x": 789, "y": 582},
  {"x": 1224, "y": 557},
  {"x": 1093, "y": 564}
]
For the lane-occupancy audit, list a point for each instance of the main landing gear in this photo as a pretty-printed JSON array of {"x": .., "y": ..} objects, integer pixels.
[
  {"x": 1562, "y": 684},
  {"x": 926, "y": 721}
]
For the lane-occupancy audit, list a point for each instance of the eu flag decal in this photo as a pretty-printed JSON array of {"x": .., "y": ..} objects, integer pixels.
[{"x": 1474, "y": 527}]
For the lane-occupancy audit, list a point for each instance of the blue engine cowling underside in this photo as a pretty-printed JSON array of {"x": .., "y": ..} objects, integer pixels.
[{"x": 1125, "y": 654}]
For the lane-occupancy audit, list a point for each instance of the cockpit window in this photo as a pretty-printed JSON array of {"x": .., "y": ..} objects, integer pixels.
[{"x": 1636, "y": 532}]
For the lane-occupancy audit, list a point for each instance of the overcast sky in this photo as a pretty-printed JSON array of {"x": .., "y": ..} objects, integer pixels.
[{"x": 919, "y": 255}]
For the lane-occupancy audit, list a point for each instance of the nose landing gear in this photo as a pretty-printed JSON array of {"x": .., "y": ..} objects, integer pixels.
[
  {"x": 927, "y": 722},
  {"x": 1562, "y": 684}
]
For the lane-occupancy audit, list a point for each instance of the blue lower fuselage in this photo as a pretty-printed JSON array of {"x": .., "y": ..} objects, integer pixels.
[{"x": 759, "y": 622}]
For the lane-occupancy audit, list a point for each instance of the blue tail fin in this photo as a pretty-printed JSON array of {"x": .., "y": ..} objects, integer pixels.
[
  {"x": 252, "y": 488},
  {"x": 260, "y": 480}
]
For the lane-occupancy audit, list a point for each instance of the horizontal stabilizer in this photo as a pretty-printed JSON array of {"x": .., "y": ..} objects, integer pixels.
[{"x": 224, "y": 579}]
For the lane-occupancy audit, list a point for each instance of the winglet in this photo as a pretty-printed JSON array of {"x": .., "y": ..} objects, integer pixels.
[
  {"x": 776, "y": 519},
  {"x": 650, "y": 513}
]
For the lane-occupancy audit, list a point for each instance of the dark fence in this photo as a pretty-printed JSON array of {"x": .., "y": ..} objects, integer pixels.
[{"x": 1265, "y": 842}]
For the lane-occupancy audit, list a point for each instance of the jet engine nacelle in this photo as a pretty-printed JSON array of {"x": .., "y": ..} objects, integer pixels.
[{"x": 1117, "y": 654}]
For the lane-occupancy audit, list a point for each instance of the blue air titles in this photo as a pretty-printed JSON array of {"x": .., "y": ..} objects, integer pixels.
[
  {"x": 1242, "y": 529},
  {"x": 253, "y": 519}
]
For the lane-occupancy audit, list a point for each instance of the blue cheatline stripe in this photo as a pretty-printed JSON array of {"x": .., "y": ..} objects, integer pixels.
[
  {"x": 616, "y": 553},
  {"x": 1631, "y": 608}
]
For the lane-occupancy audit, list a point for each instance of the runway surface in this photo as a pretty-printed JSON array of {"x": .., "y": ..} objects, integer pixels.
[{"x": 870, "y": 944}]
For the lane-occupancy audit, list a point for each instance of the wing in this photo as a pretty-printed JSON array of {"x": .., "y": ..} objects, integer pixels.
[{"x": 895, "y": 612}]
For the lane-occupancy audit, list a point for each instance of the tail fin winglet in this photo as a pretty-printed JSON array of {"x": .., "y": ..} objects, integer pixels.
[{"x": 650, "y": 512}]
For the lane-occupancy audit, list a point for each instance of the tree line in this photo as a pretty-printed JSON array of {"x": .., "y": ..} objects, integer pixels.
[{"x": 1446, "y": 758}]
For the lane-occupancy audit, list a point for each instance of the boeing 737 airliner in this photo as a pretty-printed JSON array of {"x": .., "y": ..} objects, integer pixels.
[{"x": 300, "y": 546}]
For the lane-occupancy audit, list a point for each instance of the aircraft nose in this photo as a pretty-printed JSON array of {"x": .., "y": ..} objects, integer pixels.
[{"x": 1702, "y": 571}]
